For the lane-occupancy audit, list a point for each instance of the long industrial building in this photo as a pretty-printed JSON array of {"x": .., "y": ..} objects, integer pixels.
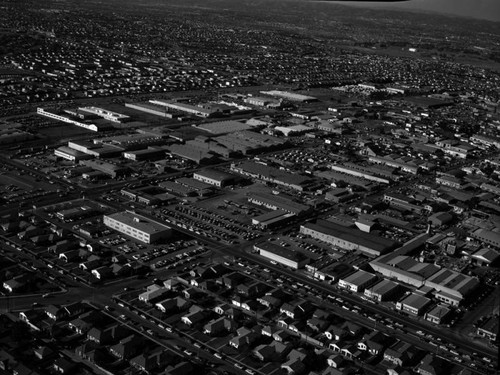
[
  {"x": 105, "y": 114},
  {"x": 348, "y": 238},
  {"x": 66, "y": 119},
  {"x": 450, "y": 287},
  {"x": 358, "y": 281},
  {"x": 184, "y": 107},
  {"x": 151, "y": 109},
  {"x": 266, "y": 173},
  {"x": 137, "y": 226},
  {"x": 282, "y": 255},
  {"x": 278, "y": 202}
]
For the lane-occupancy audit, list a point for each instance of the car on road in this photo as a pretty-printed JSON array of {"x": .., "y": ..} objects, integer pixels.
[{"x": 188, "y": 352}]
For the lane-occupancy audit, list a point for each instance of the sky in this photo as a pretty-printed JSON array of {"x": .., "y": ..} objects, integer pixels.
[{"x": 482, "y": 9}]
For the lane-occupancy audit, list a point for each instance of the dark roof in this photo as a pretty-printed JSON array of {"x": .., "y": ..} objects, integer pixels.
[{"x": 353, "y": 235}]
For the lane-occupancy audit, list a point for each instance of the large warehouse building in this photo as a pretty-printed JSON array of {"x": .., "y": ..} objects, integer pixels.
[
  {"x": 137, "y": 226},
  {"x": 348, "y": 238},
  {"x": 278, "y": 202},
  {"x": 385, "y": 290},
  {"x": 275, "y": 175},
  {"x": 281, "y": 255},
  {"x": 215, "y": 177},
  {"x": 450, "y": 287},
  {"x": 358, "y": 281}
]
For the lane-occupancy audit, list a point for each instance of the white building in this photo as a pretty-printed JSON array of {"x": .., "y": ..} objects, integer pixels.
[{"x": 137, "y": 226}]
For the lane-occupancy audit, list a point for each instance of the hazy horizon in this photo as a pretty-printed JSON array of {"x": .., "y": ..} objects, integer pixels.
[{"x": 480, "y": 9}]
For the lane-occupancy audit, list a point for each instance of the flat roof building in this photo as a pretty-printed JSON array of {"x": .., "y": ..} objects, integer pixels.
[
  {"x": 151, "y": 109},
  {"x": 215, "y": 177},
  {"x": 202, "y": 188},
  {"x": 278, "y": 202},
  {"x": 137, "y": 226},
  {"x": 273, "y": 219},
  {"x": 224, "y": 127},
  {"x": 67, "y": 119},
  {"x": 485, "y": 256},
  {"x": 75, "y": 213},
  {"x": 452, "y": 287},
  {"x": 282, "y": 255},
  {"x": 385, "y": 290},
  {"x": 294, "y": 97},
  {"x": 186, "y": 108},
  {"x": 266, "y": 173},
  {"x": 438, "y": 314},
  {"x": 110, "y": 169},
  {"x": 358, "y": 281},
  {"x": 194, "y": 154},
  {"x": 414, "y": 304},
  {"x": 489, "y": 328},
  {"x": 487, "y": 236},
  {"x": 149, "y": 154},
  {"x": 70, "y": 154},
  {"x": 348, "y": 238},
  {"x": 105, "y": 114},
  {"x": 249, "y": 142}
]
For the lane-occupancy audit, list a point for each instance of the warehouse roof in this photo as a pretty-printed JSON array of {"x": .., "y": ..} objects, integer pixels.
[
  {"x": 355, "y": 236},
  {"x": 272, "y": 173},
  {"x": 281, "y": 251},
  {"x": 384, "y": 286},
  {"x": 215, "y": 174},
  {"x": 416, "y": 301},
  {"x": 223, "y": 127},
  {"x": 360, "y": 277},
  {"x": 279, "y": 201}
]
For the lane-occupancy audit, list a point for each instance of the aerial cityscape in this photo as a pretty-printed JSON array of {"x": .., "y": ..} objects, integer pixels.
[{"x": 272, "y": 187}]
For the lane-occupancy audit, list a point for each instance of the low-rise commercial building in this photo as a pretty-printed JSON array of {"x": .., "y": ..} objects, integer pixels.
[
  {"x": 137, "y": 226},
  {"x": 148, "y": 154},
  {"x": 348, "y": 238},
  {"x": 452, "y": 287},
  {"x": 358, "y": 281},
  {"x": 489, "y": 328},
  {"x": 270, "y": 174},
  {"x": 278, "y": 202},
  {"x": 487, "y": 236},
  {"x": 66, "y": 119},
  {"x": 292, "y": 96},
  {"x": 385, "y": 290},
  {"x": 273, "y": 219},
  {"x": 282, "y": 255},
  {"x": 186, "y": 108},
  {"x": 151, "y": 109},
  {"x": 414, "y": 304},
  {"x": 438, "y": 314},
  {"x": 403, "y": 202},
  {"x": 362, "y": 172},
  {"x": 110, "y": 169},
  {"x": 70, "y": 154},
  {"x": 215, "y": 177},
  {"x": 105, "y": 114},
  {"x": 224, "y": 127}
]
